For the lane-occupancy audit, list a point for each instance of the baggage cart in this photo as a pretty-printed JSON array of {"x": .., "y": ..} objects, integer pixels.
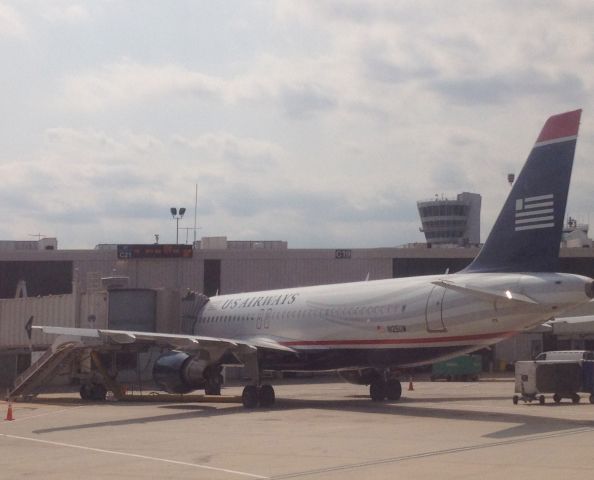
[
  {"x": 525, "y": 383},
  {"x": 561, "y": 378},
  {"x": 588, "y": 378}
]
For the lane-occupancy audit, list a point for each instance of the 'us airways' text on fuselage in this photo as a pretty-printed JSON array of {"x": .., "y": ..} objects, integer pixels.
[{"x": 270, "y": 300}]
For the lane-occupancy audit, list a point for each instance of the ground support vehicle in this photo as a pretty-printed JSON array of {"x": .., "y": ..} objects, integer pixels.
[{"x": 464, "y": 368}]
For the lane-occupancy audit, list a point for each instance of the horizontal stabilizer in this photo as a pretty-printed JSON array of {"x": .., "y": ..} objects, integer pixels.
[{"x": 485, "y": 294}]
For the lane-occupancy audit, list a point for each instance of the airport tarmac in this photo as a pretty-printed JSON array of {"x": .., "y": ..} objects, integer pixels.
[{"x": 323, "y": 430}]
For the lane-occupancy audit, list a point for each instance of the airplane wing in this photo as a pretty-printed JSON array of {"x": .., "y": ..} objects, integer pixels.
[
  {"x": 485, "y": 294},
  {"x": 187, "y": 343}
]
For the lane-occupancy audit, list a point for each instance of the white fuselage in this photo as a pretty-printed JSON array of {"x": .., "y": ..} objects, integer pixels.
[{"x": 408, "y": 314}]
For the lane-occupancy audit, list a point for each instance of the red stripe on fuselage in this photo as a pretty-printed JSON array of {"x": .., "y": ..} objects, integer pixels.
[{"x": 397, "y": 341}]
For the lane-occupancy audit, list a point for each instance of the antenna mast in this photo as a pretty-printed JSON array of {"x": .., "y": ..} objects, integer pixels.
[{"x": 195, "y": 209}]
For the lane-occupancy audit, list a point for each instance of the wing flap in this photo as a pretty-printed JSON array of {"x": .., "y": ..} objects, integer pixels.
[{"x": 270, "y": 344}]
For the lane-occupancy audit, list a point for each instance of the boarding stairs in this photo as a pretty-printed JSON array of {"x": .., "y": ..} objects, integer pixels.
[{"x": 46, "y": 366}]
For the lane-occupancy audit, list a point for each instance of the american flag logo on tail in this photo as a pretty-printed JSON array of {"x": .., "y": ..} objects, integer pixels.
[{"x": 534, "y": 213}]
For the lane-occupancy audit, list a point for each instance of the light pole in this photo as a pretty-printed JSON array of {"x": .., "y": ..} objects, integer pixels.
[{"x": 176, "y": 216}]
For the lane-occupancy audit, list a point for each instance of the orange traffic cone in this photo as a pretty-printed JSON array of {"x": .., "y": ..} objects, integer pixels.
[
  {"x": 9, "y": 413},
  {"x": 410, "y": 385}
]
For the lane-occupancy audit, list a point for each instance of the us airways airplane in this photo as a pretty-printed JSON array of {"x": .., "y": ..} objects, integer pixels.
[{"x": 368, "y": 330}]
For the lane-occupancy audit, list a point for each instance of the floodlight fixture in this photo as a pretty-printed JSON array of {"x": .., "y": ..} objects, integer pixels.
[{"x": 177, "y": 214}]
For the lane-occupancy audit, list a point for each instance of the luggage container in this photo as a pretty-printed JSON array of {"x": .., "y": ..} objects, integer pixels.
[
  {"x": 561, "y": 378},
  {"x": 464, "y": 367},
  {"x": 588, "y": 378},
  {"x": 525, "y": 383}
]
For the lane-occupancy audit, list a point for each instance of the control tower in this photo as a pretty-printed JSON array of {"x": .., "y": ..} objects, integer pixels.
[{"x": 452, "y": 222}]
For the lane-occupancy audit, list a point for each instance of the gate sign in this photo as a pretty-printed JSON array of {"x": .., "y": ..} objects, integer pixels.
[{"x": 127, "y": 252}]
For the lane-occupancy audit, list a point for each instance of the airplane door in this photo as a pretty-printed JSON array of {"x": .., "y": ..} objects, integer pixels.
[
  {"x": 259, "y": 317},
  {"x": 263, "y": 318},
  {"x": 267, "y": 315},
  {"x": 433, "y": 310}
]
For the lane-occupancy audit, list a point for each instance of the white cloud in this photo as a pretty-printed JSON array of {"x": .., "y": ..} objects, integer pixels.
[
  {"x": 64, "y": 12},
  {"x": 244, "y": 155},
  {"x": 329, "y": 115},
  {"x": 124, "y": 83},
  {"x": 12, "y": 24}
]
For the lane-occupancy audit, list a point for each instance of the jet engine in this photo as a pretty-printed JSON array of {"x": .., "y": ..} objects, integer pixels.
[{"x": 178, "y": 372}]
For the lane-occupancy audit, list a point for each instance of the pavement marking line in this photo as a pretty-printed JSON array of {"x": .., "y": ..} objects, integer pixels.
[
  {"x": 415, "y": 456},
  {"x": 133, "y": 455}
]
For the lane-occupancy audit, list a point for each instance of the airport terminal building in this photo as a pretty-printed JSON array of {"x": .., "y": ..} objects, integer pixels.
[{"x": 159, "y": 287}]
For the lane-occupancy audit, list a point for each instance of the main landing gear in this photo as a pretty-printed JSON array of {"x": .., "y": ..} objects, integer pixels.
[
  {"x": 214, "y": 380},
  {"x": 93, "y": 391},
  {"x": 254, "y": 395},
  {"x": 380, "y": 389}
]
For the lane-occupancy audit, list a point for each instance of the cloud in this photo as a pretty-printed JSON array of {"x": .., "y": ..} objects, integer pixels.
[
  {"x": 505, "y": 88},
  {"x": 226, "y": 150},
  {"x": 302, "y": 101},
  {"x": 321, "y": 122},
  {"x": 12, "y": 24},
  {"x": 64, "y": 12},
  {"x": 123, "y": 83}
]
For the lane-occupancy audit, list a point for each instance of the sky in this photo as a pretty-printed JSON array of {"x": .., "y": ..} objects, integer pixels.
[{"x": 318, "y": 122}]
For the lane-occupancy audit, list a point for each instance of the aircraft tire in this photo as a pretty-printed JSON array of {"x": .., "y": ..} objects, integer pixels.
[
  {"x": 249, "y": 397},
  {"x": 393, "y": 390},
  {"x": 85, "y": 391},
  {"x": 266, "y": 396},
  {"x": 214, "y": 387},
  {"x": 377, "y": 390},
  {"x": 98, "y": 392},
  {"x": 212, "y": 390}
]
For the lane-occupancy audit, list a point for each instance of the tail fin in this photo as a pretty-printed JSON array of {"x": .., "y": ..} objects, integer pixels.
[{"x": 527, "y": 234}]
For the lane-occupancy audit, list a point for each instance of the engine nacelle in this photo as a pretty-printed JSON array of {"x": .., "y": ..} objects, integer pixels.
[
  {"x": 178, "y": 372},
  {"x": 362, "y": 376}
]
